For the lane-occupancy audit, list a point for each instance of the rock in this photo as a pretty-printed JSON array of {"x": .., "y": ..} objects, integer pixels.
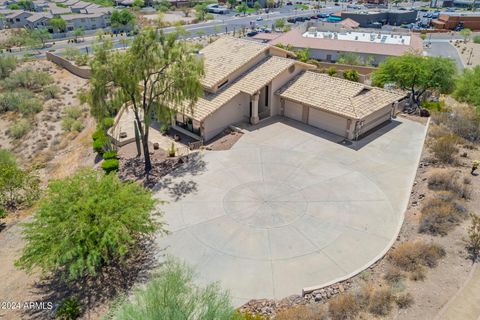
[
  {"x": 318, "y": 297},
  {"x": 341, "y": 288}
]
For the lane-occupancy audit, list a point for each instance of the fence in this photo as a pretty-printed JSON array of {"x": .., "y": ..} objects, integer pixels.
[{"x": 85, "y": 73}]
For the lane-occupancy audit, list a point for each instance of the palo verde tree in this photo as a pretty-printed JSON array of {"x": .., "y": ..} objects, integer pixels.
[
  {"x": 158, "y": 75},
  {"x": 417, "y": 74},
  {"x": 85, "y": 222}
]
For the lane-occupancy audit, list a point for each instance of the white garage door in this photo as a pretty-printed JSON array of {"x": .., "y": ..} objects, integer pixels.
[
  {"x": 293, "y": 110},
  {"x": 327, "y": 121}
]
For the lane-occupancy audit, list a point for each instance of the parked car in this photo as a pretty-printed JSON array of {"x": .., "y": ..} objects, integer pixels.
[
  {"x": 306, "y": 18},
  {"x": 252, "y": 33},
  {"x": 314, "y": 17},
  {"x": 259, "y": 18},
  {"x": 291, "y": 20},
  {"x": 289, "y": 3}
]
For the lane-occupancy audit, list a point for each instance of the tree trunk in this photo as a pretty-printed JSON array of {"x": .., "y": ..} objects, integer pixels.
[{"x": 146, "y": 155}]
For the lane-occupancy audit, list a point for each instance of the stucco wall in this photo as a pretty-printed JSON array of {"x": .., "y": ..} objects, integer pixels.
[
  {"x": 328, "y": 122},
  {"x": 236, "y": 110},
  {"x": 82, "y": 72},
  {"x": 277, "y": 83},
  {"x": 376, "y": 118}
]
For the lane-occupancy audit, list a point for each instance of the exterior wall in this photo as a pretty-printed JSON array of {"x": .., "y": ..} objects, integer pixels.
[
  {"x": 19, "y": 21},
  {"x": 237, "y": 110},
  {"x": 324, "y": 55},
  {"x": 277, "y": 83},
  {"x": 328, "y": 122},
  {"x": 41, "y": 23},
  {"x": 376, "y": 118},
  {"x": 76, "y": 70},
  {"x": 88, "y": 23},
  {"x": 450, "y": 22},
  {"x": 394, "y": 18}
]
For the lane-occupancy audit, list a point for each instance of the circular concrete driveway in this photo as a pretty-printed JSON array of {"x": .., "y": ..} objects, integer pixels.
[{"x": 266, "y": 222}]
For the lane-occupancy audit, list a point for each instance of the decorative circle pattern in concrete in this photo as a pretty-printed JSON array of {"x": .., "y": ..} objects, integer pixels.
[{"x": 264, "y": 204}]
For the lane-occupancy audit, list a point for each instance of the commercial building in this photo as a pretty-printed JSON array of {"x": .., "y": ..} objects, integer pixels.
[
  {"x": 369, "y": 19},
  {"x": 453, "y": 20}
]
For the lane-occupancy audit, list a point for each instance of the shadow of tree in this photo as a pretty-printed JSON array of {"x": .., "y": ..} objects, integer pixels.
[
  {"x": 3, "y": 225},
  {"x": 114, "y": 279}
]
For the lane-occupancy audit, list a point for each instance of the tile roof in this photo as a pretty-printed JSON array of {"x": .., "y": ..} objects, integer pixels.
[
  {"x": 38, "y": 16},
  {"x": 342, "y": 97},
  {"x": 297, "y": 40},
  {"x": 225, "y": 56},
  {"x": 251, "y": 82},
  {"x": 349, "y": 23}
]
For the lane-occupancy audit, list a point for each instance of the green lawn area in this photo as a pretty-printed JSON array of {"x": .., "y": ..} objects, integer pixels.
[{"x": 301, "y": 6}]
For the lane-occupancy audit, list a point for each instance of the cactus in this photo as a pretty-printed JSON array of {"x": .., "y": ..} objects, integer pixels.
[{"x": 137, "y": 139}]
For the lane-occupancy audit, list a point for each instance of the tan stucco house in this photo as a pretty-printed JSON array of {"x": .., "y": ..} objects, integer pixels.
[{"x": 247, "y": 81}]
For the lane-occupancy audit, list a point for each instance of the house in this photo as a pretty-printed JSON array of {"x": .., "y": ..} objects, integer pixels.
[
  {"x": 452, "y": 20},
  {"x": 56, "y": 10},
  {"x": 87, "y": 21},
  {"x": 247, "y": 81},
  {"x": 18, "y": 18},
  {"x": 38, "y": 20},
  {"x": 329, "y": 45},
  {"x": 79, "y": 6}
]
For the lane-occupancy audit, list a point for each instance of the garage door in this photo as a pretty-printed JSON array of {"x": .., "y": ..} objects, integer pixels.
[
  {"x": 293, "y": 110},
  {"x": 327, "y": 121}
]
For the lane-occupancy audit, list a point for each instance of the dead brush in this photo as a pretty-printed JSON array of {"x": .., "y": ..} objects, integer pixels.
[
  {"x": 441, "y": 216},
  {"x": 414, "y": 255},
  {"x": 447, "y": 180},
  {"x": 343, "y": 307}
]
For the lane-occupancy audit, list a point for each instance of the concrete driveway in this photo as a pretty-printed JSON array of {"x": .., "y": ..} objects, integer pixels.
[{"x": 290, "y": 207}]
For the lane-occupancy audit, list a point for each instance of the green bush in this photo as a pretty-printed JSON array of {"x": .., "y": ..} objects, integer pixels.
[
  {"x": 108, "y": 122},
  {"x": 351, "y": 75},
  {"x": 70, "y": 125},
  {"x": 30, "y": 106},
  {"x": 100, "y": 144},
  {"x": 434, "y": 105},
  {"x": 85, "y": 222},
  {"x": 6, "y": 157},
  {"x": 73, "y": 112},
  {"x": 476, "y": 39},
  {"x": 20, "y": 128},
  {"x": 98, "y": 134},
  {"x": 111, "y": 154},
  {"x": 7, "y": 65},
  {"x": 18, "y": 188},
  {"x": 51, "y": 92},
  {"x": 10, "y": 100},
  {"x": 332, "y": 71},
  {"x": 69, "y": 309},
  {"x": 81, "y": 60},
  {"x": 110, "y": 165},
  {"x": 27, "y": 78},
  {"x": 173, "y": 294}
]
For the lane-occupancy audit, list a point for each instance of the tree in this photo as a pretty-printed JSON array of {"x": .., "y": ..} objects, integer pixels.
[
  {"x": 351, "y": 75},
  {"x": 157, "y": 75},
  {"x": 232, "y": 3},
  {"x": 85, "y": 222},
  {"x": 201, "y": 11},
  {"x": 467, "y": 87},
  {"x": 417, "y": 74},
  {"x": 40, "y": 35},
  {"x": 186, "y": 10},
  {"x": 303, "y": 54},
  {"x": 122, "y": 19},
  {"x": 349, "y": 58},
  {"x": 270, "y": 4},
  {"x": 18, "y": 187},
  {"x": 138, "y": 4},
  {"x": 172, "y": 294},
  {"x": 280, "y": 23},
  {"x": 465, "y": 33},
  {"x": 58, "y": 24},
  {"x": 242, "y": 8},
  {"x": 257, "y": 6},
  {"x": 78, "y": 32},
  {"x": 473, "y": 241}
]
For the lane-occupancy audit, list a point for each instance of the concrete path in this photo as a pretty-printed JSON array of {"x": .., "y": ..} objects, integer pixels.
[
  {"x": 290, "y": 207},
  {"x": 465, "y": 304}
]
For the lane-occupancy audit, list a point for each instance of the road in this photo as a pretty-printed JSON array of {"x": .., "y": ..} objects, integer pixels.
[{"x": 443, "y": 48}]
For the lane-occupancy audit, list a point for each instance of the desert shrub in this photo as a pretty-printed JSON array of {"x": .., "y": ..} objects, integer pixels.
[
  {"x": 476, "y": 39},
  {"x": 69, "y": 309},
  {"x": 108, "y": 122},
  {"x": 85, "y": 222},
  {"x": 247, "y": 316},
  {"x": 463, "y": 120},
  {"x": 303, "y": 312},
  {"x": 10, "y": 100},
  {"x": 381, "y": 302},
  {"x": 70, "y": 125},
  {"x": 71, "y": 53},
  {"x": 19, "y": 128},
  {"x": 444, "y": 148},
  {"x": 28, "y": 79},
  {"x": 73, "y": 112},
  {"x": 18, "y": 187},
  {"x": 111, "y": 154},
  {"x": 173, "y": 294},
  {"x": 411, "y": 256},
  {"x": 7, "y": 65},
  {"x": 98, "y": 134},
  {"x": 417, "y": 275},
  {"x": 351, "y": 75},
  {"x": 394, "y": 275},
  {"x": 51, "y": 92},
  {"x": 101, "y": 144},
  {"x": 434, "y": 105},
  {"x": 110, "y": 165},
  {"x": 7, "y": 157},
  {"x": 439, "y": 216},
  {"x": 404, "y": 301},
  {"x": 447, "y": 180},
  {"x": 473, "y": 240},
  {"x": 332, "y": 71},
  {"x": 343, "y": 307},
  {"x": 30, "y": 106}
]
